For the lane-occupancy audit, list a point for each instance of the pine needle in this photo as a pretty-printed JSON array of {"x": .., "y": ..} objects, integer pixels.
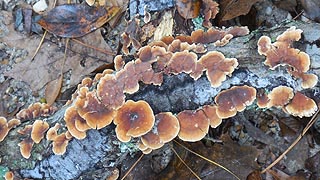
[
  {"x": 209, "y": 160},
  {"x": 311, "y": 122},
  {"x": 175, "y": 152},
  {"x": 134, "y": 164}
]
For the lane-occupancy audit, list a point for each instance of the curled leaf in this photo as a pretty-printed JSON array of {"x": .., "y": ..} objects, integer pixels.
[{"x": 76, "y": 20}]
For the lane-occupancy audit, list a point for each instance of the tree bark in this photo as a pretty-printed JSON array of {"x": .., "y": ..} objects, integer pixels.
[{"x": 177, "y": 93}]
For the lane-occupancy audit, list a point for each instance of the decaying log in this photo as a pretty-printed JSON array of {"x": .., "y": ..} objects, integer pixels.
[{"x": 177, "y": 93}]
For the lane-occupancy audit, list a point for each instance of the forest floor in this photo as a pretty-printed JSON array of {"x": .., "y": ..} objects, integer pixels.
[{"x": 244, "y": 144}]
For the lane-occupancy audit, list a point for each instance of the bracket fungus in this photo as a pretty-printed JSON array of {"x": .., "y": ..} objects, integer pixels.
[
  {"x": 133, "y": 119},
  {"x": 301, "y": 106},
  {"x": 53, "y": 132},
  {"x": 234, "y": 100},
  {"x": 281, "y": 53},
  {"x": 213, "y": 35},
  {"x": 96, "y": 114},
  {"x": 182, "y": 62},
  {"x": 39, "y": 128},
  {"x": 211, "y": 113},
  {"x": 5, "y": 126},
  {"x": 194, "y": 125},
  {"x": 217, "y": 67},
  {"x": 280, "y": 96},
  {"x": 60, "y": 143},
  {"x": 109, "y": 92},
  {"x": 75, "y": 124},
  {"x": 27, "y": 143},
  {"x": 166, "y": 128},
  {"x": 36, "y": 110}
]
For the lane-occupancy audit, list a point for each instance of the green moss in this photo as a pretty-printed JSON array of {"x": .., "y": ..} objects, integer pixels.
[
  {"x": 197, "y": 22},
  {"x": 3, "y": 171}
]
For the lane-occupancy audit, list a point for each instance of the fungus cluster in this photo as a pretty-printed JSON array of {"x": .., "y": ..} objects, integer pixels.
[
  {"x": 36, "y": 110},
  {"x": 296, "y": 104},
  {"x": 100, "y": 101},
  {"x": 32, "y": 134},
  {"x": 5, "y": 126},
  {"x": 281, "y": 53}
]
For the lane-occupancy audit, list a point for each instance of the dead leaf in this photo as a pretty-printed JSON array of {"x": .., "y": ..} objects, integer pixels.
[
  {"x": 188, "y": 9},
  {"x": 312, "y": 8},
  {"x": 234, "y": 8},
  {"x": 47, "y": 65},
  {"x": 76, "y": 20},
  {"x": 53, "y": 90},
  {"x": 239, "y": 159}
]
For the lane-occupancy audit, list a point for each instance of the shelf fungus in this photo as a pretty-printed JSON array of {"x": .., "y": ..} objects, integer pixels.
[
  {"x": 95, "y": 114},
  {"x": 281, "y": 53},
  {"x": 39, "y": 129},
  {"x": 217, "y": 67},
  {"x": 60, "y": 143},
  {"x": 110, "y": 95},
  {"x": 211, "y": 113},
  {"x": 5, "y": 126},
  {"x": 166, "y": 128},
  {"x": 234, "y": 100},
  {"x": 294, "y": 103},
  {"x": 36, "y": 110},
  {"x": 27, "y": 143},
  {"x": 301, "y": 106},
  {"x": 280, "y": 96},
  {"x": 194, "y": 125},
  {"x": 133, "y": 119},
  {"x": 32, "y": 134},
  {"x": 76, "y": 125}
]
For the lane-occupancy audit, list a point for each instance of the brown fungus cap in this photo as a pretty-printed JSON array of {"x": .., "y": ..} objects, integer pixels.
[
  {"x": 280, "y": 96},
  {"x": 217, "y": 67},
  {"x": 211, "y": 113},
  {"x": 213, "y": 34},
  {"x": 301, "y": 106},
  {"x": 133, "y": 119},
  {"x": 262, "y": 99},
  {"x": 3, "y": 128},
  {"x": 13, "y": 123},
  {"x": 308, "y": 80},
  {"x": 39, "y": 127},
  {"x": 234, "y": 100},
  {"x": 166, "y": 128},
  {"x": 182, "y": 62},
  {"x": 150, "y": 53},
  {"x": 9, "y": 175},
  {"x": 60, "y": 143},
  {"x": 110, "y": 92},
  {"x": 52, "y": 133},
  {"x": 36, "y": 110},
  {"x": 27, "y": 143},
  {"x": 72, "y": 119},
  {"x": 194, "y": 125},
  {"x": 26, "y": 147},
  {"x": 210, "y": 11},
  {"x": 118, "y": 62},
  {"x": 281, "y": 52},
  {"x": 96, "y": 114}
]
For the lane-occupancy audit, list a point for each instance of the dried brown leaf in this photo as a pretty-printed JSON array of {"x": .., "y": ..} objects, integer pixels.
[
  {"x": 47, "y": 65},
  {"x": 234, "y": 8},
  {"x": 76, "y": 20},
  {"x": 53, "y": 90}
]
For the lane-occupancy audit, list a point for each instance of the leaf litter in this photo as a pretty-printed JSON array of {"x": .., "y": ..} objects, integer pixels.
[{"x": 47, "y": 64}]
